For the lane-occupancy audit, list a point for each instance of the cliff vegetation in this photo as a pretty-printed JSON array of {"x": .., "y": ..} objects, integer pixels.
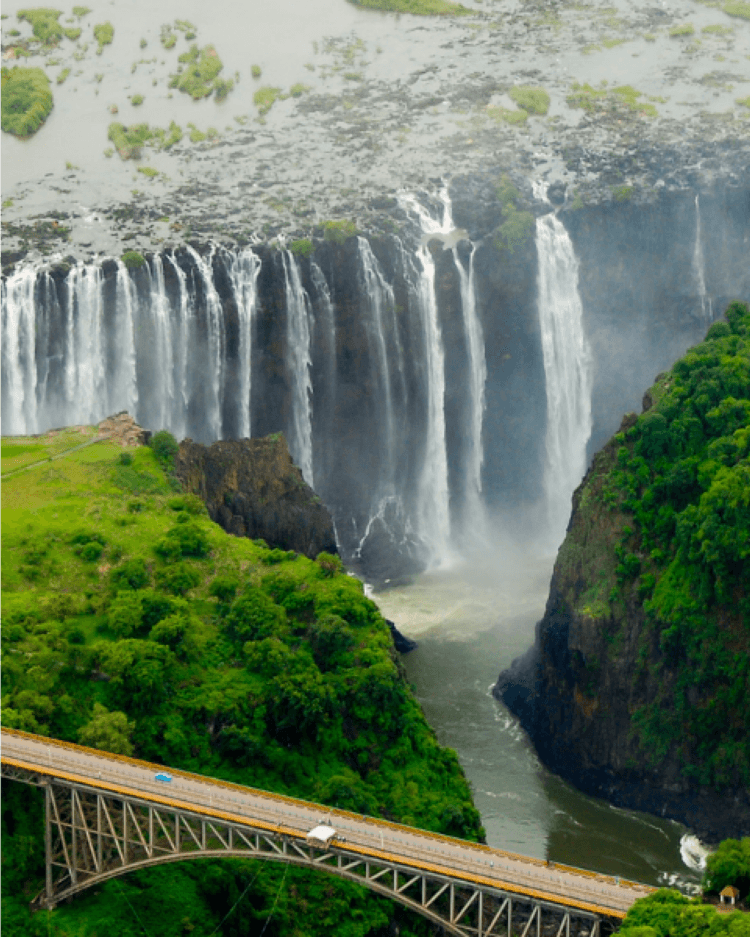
[
  {"x": 637, "y": 688},
  {"x": 134, "y": 624}
]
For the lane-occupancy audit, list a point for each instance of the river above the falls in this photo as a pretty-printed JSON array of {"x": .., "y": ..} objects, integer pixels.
[{"x": 470, "y": 622}]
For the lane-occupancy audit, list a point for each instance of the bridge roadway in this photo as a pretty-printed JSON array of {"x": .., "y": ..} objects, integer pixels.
[{"x": 458, "y": 859}]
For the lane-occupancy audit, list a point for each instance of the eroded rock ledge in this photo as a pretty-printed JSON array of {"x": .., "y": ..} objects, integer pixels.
[{"x": 252, "y": 489}]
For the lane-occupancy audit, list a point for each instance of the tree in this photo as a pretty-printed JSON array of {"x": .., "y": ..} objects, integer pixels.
[
  {"x": 729, "y": 865},
  {"x": 108, "y": 731}
]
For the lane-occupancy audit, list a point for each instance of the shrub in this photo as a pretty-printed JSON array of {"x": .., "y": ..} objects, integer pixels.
[
  {"x": 417, "y": 7},
  {"x": 265, "y": 98},
  {"x": 91, "y": 552},
  {"x": 186, "y": 539},
  {"x": 224, "y": 588},
  {"x": 729, "y": 865},
  {"x": 44, "y": 24},
  {"x": 302, "y": 248},
  {"x": 126, "y": 458},
  {"x": 165, "y": 447},
  {"x": 329, "y": 564},
  {"x": 125, "y": 614},
  {"x": 338, "y": 231},
  {"x": 201, "y": 77},
  {"x": 177, "y": 579},
  {"x": 132, "y": 260},
  {"x": 108, "y": 731},
  {"x": 131, "y": 575},
  {"x": 533, "y": 100},
  {"x": 255, "y": 71},
  {"x": 104, "y": 33},
  {"x": 254, "y": 616},
  {"x": 26, "y": 100}
]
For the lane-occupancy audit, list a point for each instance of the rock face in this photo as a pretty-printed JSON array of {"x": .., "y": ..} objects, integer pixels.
[
  {"x": 252, "y": 489},
  {"x": 592, "y": 667},
  {"x": 122, "y": 428}
]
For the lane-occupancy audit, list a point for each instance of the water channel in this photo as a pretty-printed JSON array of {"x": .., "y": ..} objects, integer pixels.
[{"x": 470, "y": 622}]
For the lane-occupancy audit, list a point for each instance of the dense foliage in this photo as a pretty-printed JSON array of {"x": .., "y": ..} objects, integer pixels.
[
  {"x": 134, "y": 624},
  {"x": 729, "y": 865},
  {"x": 681, "y": 479},
  {"x": 26, "y": 100},
  {"x": 667, "y": 913}
]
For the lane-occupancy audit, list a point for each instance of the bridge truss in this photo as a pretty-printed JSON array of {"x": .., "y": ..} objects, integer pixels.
[{"x": 93, "y": 834}]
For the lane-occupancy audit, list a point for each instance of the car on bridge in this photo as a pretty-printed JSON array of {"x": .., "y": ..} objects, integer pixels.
[{"x": 163, "y": 777}]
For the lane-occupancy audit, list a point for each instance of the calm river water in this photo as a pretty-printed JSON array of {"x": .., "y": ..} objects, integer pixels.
[{"x": 470, "y": 622}]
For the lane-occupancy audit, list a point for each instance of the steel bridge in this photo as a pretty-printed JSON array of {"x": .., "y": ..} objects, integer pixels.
[{"x": 106, "y": 815}]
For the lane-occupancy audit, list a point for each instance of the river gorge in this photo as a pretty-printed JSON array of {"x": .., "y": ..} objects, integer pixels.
[{"x": 445, "y": 314}]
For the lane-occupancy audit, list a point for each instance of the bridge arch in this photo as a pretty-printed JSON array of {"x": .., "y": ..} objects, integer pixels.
[{"x": 93, "y": 835}]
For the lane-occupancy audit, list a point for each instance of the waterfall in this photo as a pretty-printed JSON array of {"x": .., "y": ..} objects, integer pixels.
[
  {"x": 474, "y": 333},
  {"x": 379, "y": 295},
  {"x": 215, "y": 345},
  {"x": 243, "y": 269},
  {"x": 19, "y": 318},
  {"x": 433, "y": 494},
  {"x": 567, "y": 370},
  {"x": 698, "y": 267},
  {"x": 299, "y": 363},
  {"x": 162, "y": 398},
  {"x": 182, "y": 341},
  {"x": 126, "y": 379}
]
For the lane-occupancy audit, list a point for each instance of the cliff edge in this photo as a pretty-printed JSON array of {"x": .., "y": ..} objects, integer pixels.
[
  {"x": 637, "y": 686},
  {"x": 252, "y": 489}
]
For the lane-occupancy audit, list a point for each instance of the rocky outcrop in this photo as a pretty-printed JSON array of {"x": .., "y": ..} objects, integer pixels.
[
  {"x": 252, "y": 489},
  {"x": 122, "y": 428},
  {"x": 595, "y": 664}
]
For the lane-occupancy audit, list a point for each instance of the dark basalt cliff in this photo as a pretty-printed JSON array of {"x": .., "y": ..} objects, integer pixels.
[
  {"x": 252, "y": 489},
  {"x": 627, "y": 693}
]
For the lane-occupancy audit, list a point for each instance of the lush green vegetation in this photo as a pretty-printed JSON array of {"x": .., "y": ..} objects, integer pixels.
[
  {"x": 265, "y": 98},
  {"x": 129, "y": 141},
  {"x": 418, "y": 7},
  {"x": 680, "y": 476},
  {"x": 739, "y": 8},
  {"x": 26, "y": 100},
  {"x": 200, "y": 77},
  {"x": 133, "y": 259},
  {"x": 104, "y": 33},
  {"x": 303, "y": 247},
  {"x": 533, "y": 100},
  {"x": 45, "y": 25},
  {"x": 517, "y": 225},
  {"x": 667, "y": 913},
  {"x": 729, "y": 865},
  {"x": 133, "y": 623},
  {"x": 338, "y": 231},
  {"x": 605, "y": 100}
]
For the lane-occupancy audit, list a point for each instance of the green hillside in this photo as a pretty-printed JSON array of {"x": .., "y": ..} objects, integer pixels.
[
  {"x": 134, "y": 624},
  {"x": 682, "y": 474}
]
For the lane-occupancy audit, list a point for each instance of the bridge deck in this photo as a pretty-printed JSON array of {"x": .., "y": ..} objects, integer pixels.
[{"x": 417, "y": 849}]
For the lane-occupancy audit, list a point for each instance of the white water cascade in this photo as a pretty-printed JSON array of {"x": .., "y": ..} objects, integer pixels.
[
  {"x": 298, "y": 316},
  {"x": 699, "y": 268},
  {"x": 567, "y": 371},
  {"x": 477, "y": 380},
  {"x": 19, "y": 325},
  {"x": 243, "y": 269},
  {"x": 216, "y": 342},
  {"x": 433, "y": 509},
  {"x": 380, "y": 299}
]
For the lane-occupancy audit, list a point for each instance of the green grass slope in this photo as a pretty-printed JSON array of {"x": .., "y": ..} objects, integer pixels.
[{"x": 133, "y": 623}]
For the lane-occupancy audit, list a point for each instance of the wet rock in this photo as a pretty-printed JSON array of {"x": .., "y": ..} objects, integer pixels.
[
  {"x": 402, "y": 644},
  {"x": 252, "y": 488}
]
